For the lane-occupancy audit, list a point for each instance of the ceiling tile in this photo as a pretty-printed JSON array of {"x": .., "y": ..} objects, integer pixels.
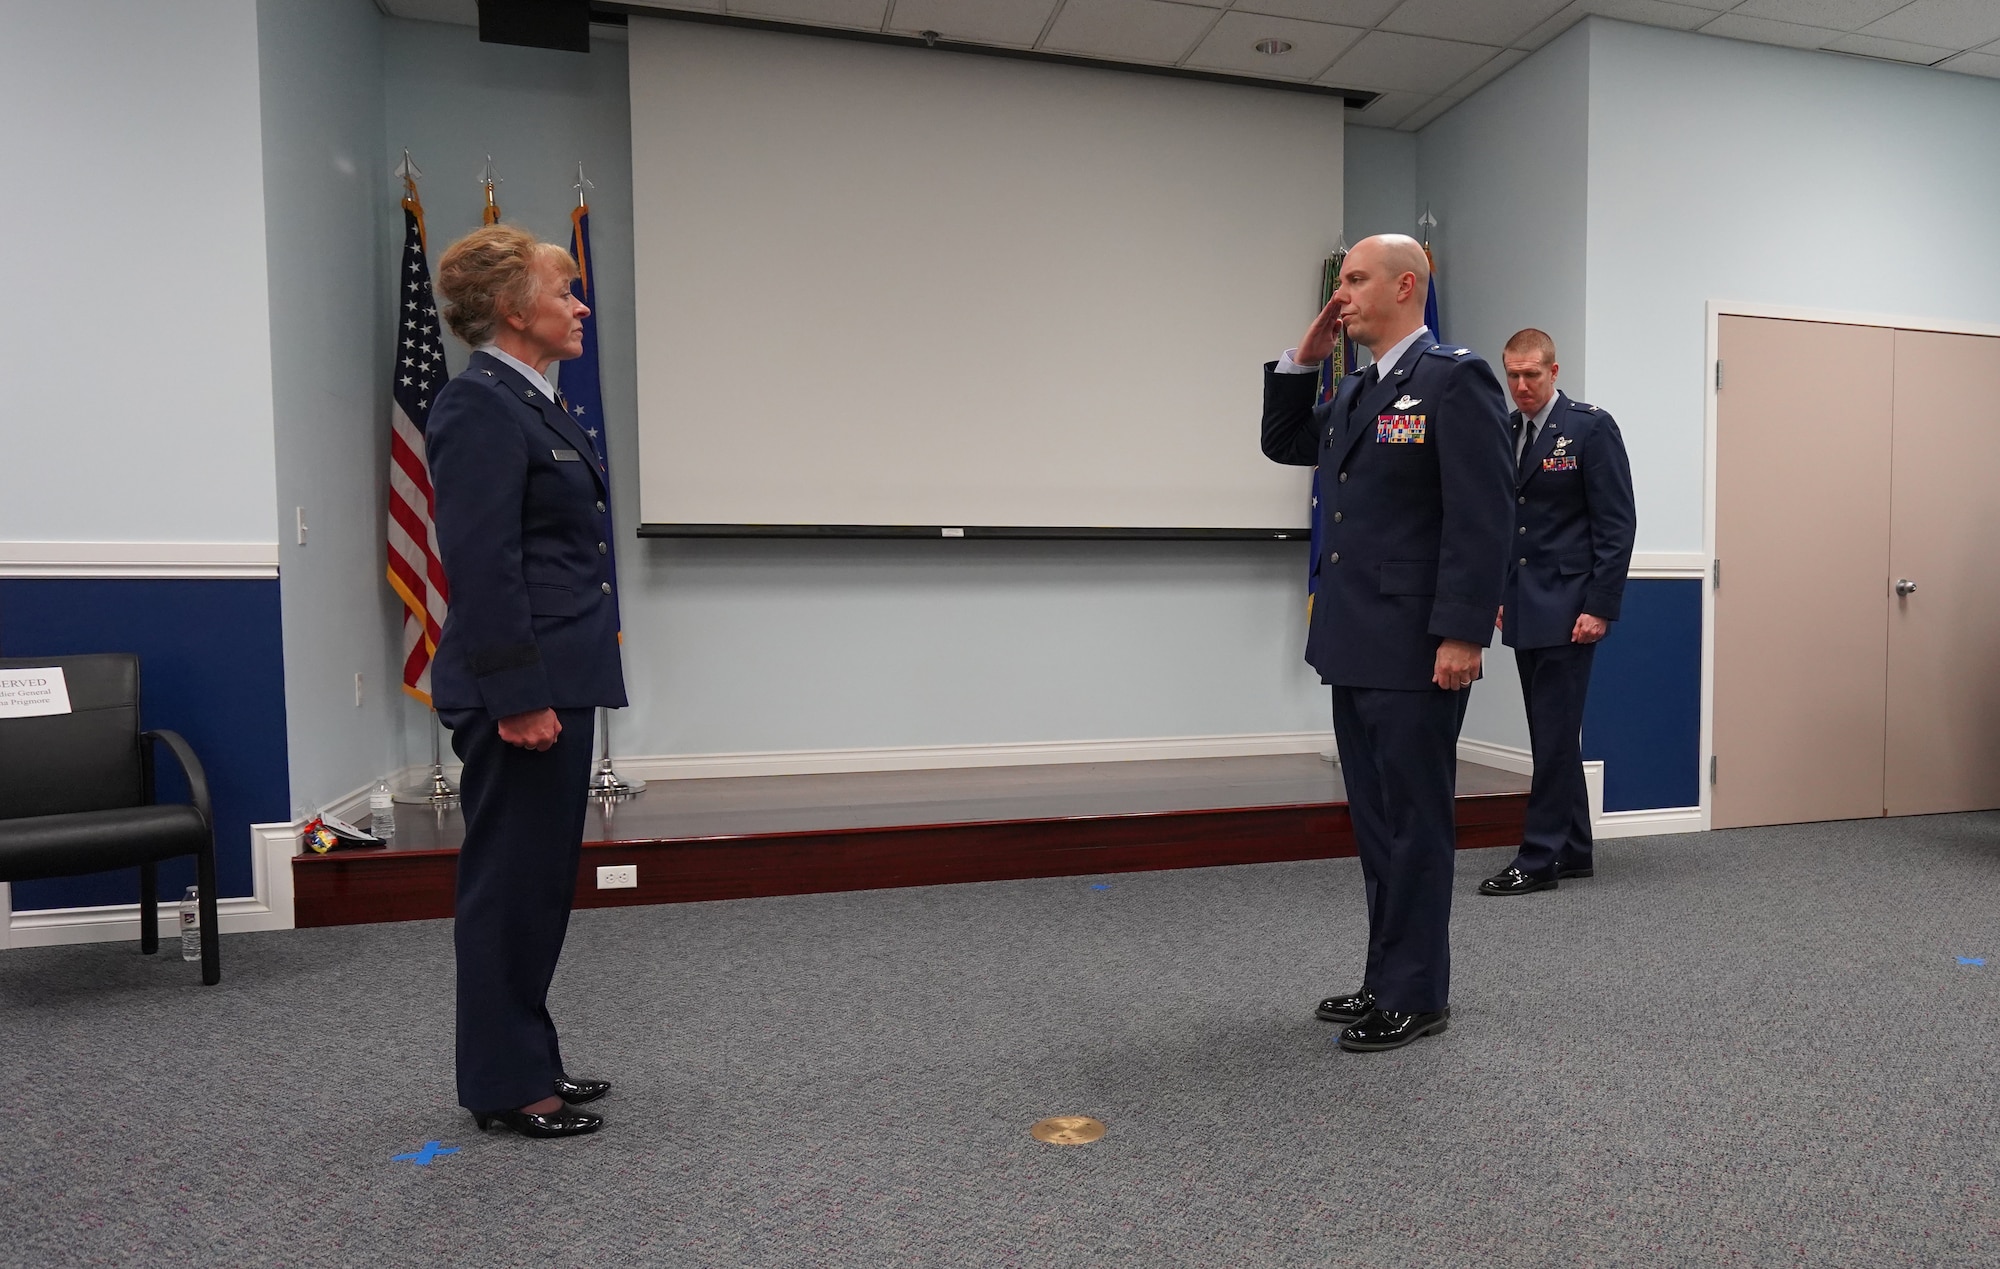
[
  {"x": 1677, "y": 17},
  {"x": 1952, "y": 24},
  {"x": 1504, "y": 61},
  {"x": 1474, "y": 21},
  {"x": 1388, "y": 110},
  {"x": 1232, "y": 46},
  {"x": 1128, "y": 30},
  {"x": 1763, "y": 31},
  {"x": 463, "y": 12},
  {"x": 1974, "y": 64},
  {"x": 698, "y": 6},
  {"x": 1892, "y": 50},
  {"x": 1406, "y": 63},
  {"x": 1013, "y": 22},
  {"x": 1361, "y": 13},
  {"x": 858, "y": 15},
  {"x": 1834, "y": 15},
  {"x": 1428, "y": 111}
]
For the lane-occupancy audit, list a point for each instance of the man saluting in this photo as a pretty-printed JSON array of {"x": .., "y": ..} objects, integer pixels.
[{"x": 1415, "y": 512}]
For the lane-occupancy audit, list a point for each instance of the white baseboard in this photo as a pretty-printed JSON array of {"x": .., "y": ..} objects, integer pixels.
[
  {"x": 1603, "y": 823},
  {"x": 944, "y": 757},
  {"x": 783, "y": 762}
]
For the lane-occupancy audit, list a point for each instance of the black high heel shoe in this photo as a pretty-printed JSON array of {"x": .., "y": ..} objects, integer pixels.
[
  {"x": 577, "y": 1092},
  {"x": 554, "y": 1123}
]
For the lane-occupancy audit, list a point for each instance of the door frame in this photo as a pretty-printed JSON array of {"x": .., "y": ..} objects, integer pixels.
[{"x": 1712, "y": 342}]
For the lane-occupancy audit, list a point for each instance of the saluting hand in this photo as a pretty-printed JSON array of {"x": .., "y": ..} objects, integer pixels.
[
  {"x": 1318, "y": 342},
  {"x": 535, "y": 729}
]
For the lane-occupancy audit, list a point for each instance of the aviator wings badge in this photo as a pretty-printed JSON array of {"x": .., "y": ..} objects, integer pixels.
[{"x": 1406, "y": 402}]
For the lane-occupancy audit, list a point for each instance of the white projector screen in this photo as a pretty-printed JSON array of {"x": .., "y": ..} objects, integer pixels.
[{"x": 902, "y": 290}]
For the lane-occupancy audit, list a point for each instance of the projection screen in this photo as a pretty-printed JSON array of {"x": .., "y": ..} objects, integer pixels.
[{"x": 897, "y": 291}]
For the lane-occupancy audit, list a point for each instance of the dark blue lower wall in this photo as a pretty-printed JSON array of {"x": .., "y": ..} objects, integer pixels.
[
  {"x": 211, "y": 667},
  {"x": 1644, "y": 713}
]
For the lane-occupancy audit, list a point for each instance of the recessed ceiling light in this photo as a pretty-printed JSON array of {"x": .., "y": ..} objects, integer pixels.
[{"x": 1274, "y": 48}]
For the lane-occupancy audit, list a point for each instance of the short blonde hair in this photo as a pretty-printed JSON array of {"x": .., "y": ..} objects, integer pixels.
[
  {"x": 489, "y": 274},
  {"x": 1530, "y": 340}
]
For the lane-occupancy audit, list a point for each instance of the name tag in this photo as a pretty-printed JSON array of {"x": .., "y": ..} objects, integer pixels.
[
  {"x": 1400, "y": 429},
  {"x": 566, "y": 455},
  {"x": 1561, "y": 462}
]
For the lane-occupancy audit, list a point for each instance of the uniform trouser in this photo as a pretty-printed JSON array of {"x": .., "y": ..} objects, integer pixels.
[
  {"x": 1399, "y": 761},
  {"x": 1554, "y": 682},
  {"x": 516, "y": 879}
]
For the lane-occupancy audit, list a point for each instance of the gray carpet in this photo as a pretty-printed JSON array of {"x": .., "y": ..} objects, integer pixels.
[{"x": 1754, "y": 1047}]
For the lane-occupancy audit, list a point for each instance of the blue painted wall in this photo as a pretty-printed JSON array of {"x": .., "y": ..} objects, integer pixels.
[
  {"x": 1644, "y": 714},
  {"x": 211, "y": 667}
]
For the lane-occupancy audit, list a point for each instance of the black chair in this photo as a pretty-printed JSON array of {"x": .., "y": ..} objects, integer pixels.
[{"x": 76, "y": 794}]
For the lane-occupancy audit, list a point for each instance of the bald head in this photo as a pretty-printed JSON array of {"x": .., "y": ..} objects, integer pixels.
[{"x": 1383, "y": 283}]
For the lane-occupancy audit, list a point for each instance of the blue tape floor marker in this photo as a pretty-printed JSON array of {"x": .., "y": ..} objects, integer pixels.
[
  {"x": 1972, "y": 960},
  {"x": 1100, "y": 885},
  {"x": 422, "y": 1158}
]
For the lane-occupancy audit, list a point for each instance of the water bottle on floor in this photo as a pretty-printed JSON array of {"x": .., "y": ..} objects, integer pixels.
[
  {"x": 191, "y": 924},
  {"x": 382, "y": 811}
]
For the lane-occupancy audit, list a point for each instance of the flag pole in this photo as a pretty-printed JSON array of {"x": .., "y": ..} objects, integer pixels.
[
  {"x": 439, "y": 794},
  {"x": 605, "y": 782}
]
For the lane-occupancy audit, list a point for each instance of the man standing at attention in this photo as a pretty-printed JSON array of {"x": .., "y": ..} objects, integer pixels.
[
  {"x": 1573, "y": 529},
  {"x": 1415, "y": 519}
]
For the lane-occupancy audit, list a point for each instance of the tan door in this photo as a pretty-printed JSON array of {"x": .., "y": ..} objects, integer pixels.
[
  {"x": 1944, "y": 636},
  {"x": 1802, "y": 539}
]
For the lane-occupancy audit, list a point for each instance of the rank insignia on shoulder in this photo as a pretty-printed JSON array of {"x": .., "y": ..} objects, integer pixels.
[
  {"x": 1559, "y": 462},
  {"x": 1400, "y": 429},
  {"x": 1461, "y": 352},
  {"x": 1405, "y": 402}
]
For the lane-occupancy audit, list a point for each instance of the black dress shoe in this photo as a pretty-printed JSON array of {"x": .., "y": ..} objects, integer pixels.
[
  {"x": 577, "y": 1092},
  {"x": 1385, "y": 1030},
  {"x": 1565, "y": 871},
  {"x": 1514, "y": 881},
  {"x": 1347, "y": 1008},
  {"x": 555, "y": 1123}
]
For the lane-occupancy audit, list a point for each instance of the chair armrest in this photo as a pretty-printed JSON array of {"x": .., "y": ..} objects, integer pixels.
[{"x": 190, "y": 767}]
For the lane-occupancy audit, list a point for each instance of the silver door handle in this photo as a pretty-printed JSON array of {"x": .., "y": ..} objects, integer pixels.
[{"x": 1904, "y": 586}]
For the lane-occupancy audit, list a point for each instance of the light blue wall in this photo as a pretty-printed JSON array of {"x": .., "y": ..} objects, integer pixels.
[
  {"x": 136, "y": 354},
  {"x": 1729, "y": 171},
  {"x": 331, "y": 222},
  {"x": 741, "y": 646},
  {"x": 1380, "y": 189},
  {"x": 1505, "y": 174}
]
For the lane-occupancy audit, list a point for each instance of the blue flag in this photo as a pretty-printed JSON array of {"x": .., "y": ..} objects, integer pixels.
[
  {"x": 1431, "y": 297},
  {"x": 580, "y": 387}
]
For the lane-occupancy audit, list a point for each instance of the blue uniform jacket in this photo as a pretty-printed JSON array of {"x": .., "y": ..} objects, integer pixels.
[
  {"x": 1416, "y": 482},
  {"x": 1574, "y": 525},
  {"x": 524, "y": 528}
]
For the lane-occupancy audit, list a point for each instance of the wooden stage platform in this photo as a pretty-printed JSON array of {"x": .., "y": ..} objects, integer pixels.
[{"x": 746, "y": 837}]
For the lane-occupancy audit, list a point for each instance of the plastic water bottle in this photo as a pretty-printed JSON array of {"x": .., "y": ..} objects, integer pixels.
[
  {"x": 191, "y": 924},
  {"x": 382, "y": 811}
]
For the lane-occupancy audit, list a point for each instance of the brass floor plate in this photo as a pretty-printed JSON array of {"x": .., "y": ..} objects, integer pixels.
[{"x": 1067, "y": 1130}]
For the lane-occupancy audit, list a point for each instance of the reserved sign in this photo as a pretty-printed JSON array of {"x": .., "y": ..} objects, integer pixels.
[{"x": 29, "y": 693}]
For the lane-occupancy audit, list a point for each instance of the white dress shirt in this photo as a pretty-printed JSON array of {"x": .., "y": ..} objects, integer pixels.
[
  {"x": 1534, "y": 427},
  {"x": 528, "y": 372}
]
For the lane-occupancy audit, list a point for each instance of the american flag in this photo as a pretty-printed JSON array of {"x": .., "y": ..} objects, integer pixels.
[{"x": 415, "y": 572}]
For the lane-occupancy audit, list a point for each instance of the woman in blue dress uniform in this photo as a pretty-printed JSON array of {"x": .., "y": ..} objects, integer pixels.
[{"x": 529, "y": 651}]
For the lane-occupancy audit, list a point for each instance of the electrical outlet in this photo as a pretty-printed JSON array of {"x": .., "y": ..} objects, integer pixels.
[
  {"x": 301, "y": 513},
  {"x": 618, "y": 877},
  {"x": 357, "y": 691}
]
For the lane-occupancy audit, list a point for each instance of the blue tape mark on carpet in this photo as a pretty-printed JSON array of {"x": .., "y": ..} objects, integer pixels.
[
  {"x": 422, "y": 1158},
  {"x": 1972, "y": 960},
  {"x": 1100, "y": 885}
]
